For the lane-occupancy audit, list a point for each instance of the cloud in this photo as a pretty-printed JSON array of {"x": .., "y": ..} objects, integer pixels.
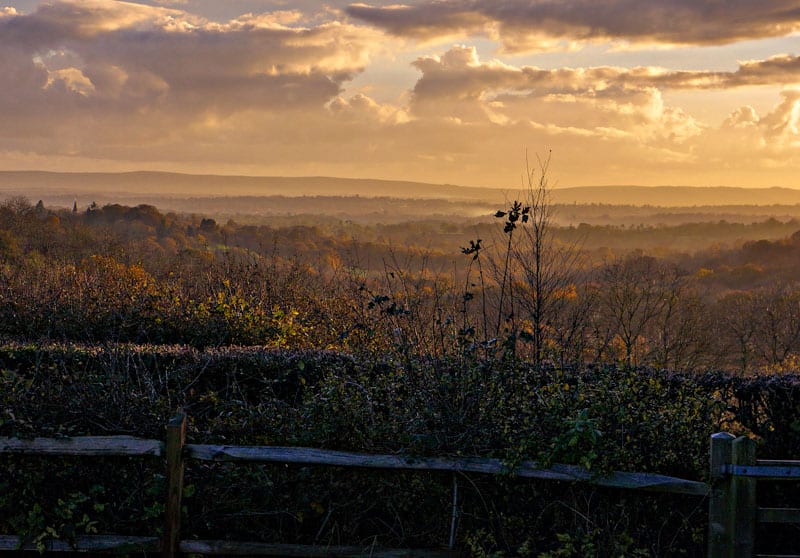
[
  {"x": 459, "y": 75},
  {"x": 90, "y": 71},
  {"x": 73, "y": 20},
  {"x": 784, "y": 121},
  {"x": 756, "y": 147},
  {"x": 612, "y": 120},
  {"x": 525, "y": 25},
  {"x": 187, "y": 53},
  {"x": 362, "y": 108},
  {"x": 129, "y": 85}
]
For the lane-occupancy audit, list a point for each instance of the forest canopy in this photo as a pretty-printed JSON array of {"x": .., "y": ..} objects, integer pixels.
[{"x": 137, "y": 274}]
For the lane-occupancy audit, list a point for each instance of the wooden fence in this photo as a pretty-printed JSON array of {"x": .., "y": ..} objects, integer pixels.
[{"x": 732, "y": 510}]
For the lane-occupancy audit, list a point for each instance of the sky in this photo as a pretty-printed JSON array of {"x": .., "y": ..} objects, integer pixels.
[{"x": 646, "y": 92}]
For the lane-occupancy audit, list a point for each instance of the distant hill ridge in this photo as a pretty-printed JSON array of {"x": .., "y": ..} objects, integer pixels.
[
  {"x": 30, "y": 183},
  {"x": 677, "y": 196}
]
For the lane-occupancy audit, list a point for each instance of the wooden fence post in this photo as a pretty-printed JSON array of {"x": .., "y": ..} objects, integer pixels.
[
  {"x": 720, "y": 528},
  {"x": 743, "y": 504},
  {"x": 176, "y": 438}
]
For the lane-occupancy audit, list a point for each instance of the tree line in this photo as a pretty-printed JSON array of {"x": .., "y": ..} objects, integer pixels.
[{"x": 524, "y": 288}]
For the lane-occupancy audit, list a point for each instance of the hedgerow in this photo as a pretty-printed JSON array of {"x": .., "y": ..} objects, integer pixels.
[{"x": 603, "y": 418}]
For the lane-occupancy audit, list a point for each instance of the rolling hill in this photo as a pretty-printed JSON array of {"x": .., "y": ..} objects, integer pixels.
[{"x": 113, "y": 186}]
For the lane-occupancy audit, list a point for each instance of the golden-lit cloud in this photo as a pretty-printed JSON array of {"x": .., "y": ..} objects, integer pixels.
[
  {"x": 608, "y": 116},
  {"x": 458, "y": 74},
  {"x": 523, "y": 25},
  {"x": 607, "y": 103},
  {"x": 101, "y": 69},
  {"x": 362, "y": 108},
  {"x": 73, "y": 20},
  {"x": 102, "y": 84}
]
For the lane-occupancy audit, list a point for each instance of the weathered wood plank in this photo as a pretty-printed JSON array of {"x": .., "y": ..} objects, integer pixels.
[
  {"x": 778, "y": 462},
  {"x": 232, "y": 548},
  {"x": 778, "y": 515},
  {"x": 720, "y": 524},
  {"x": 743, "y": 500},
  {"x": 770, "y": 472},
  {"x": 527, "y": 469},
  {"x": 176, "y": 438},
  {"x": 633, "y": 481},
  {"x": 95, "y": 543},
  {"x": 83, "y": 445}
]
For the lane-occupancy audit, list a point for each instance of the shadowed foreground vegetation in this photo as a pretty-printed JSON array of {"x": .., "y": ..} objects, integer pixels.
[
  {"x": 602, "y": 418},
  {"x": 525, "y": 345}
]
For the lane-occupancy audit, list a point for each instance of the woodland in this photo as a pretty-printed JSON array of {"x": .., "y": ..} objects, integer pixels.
[{"x": 613, "y": 345}]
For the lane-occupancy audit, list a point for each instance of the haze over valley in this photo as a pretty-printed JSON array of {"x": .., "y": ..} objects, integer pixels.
[{"x": 323, "y": 200}]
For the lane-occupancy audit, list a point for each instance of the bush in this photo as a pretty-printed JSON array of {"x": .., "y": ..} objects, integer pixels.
[{"x": 603, "y": 418}]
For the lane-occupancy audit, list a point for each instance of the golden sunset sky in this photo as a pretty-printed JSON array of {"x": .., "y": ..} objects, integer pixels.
[{"x": 648, "y": 92}]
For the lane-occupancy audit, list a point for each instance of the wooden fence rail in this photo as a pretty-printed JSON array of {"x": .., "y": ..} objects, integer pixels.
[
  {"x": 527, "y": 469},
  {"x": 85, "y": 445},
  {"x": 732, "y": 509}
]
